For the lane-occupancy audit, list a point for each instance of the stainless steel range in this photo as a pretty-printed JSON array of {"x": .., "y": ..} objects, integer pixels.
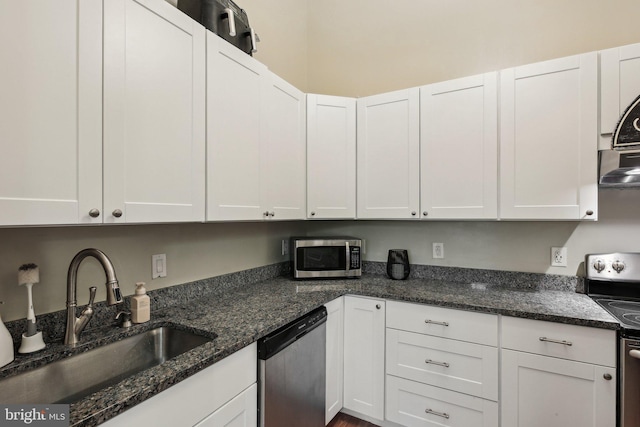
[{"x": 613, "y": 281}]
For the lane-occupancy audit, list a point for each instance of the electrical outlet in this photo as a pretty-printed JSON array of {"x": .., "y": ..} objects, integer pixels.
[
  {"x": 559, "y": 257},
  {"x": 438, "y": 250},
  {"x": 285, "y": 247},
  {"x": 158, "y": 266}
]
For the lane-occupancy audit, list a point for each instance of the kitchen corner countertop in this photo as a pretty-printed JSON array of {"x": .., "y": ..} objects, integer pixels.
[{"x": 241, "y": 315}]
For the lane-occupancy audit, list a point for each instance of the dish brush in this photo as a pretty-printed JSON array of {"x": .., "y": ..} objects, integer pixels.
[{"x": 28, "y": 275}]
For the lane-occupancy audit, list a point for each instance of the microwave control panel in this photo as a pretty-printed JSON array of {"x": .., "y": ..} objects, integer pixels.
[{"x": 354, "y": 252}]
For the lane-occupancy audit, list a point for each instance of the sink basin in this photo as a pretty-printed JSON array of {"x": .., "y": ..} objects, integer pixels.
[{"x": 69, "y": 380}]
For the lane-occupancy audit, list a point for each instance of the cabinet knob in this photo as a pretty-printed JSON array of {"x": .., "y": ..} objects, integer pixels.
[
  {"x": 117, "y": 213},
  {"x": 272, "y": 214},
  {"x": 425, "y": 213},
  {"x": 607, "y": 377},
  {"x": 378, "y": 306},
  {"x": 589, "y": 212},
  {"x": 265, "y": 213},
  {"x": 413, "y": 213},
  {"x": 94, "y": 213},
  {"x": 313, "y": 214}
]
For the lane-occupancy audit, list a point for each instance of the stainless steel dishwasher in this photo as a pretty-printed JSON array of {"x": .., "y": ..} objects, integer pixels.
[{"x": 291, "y": 368}]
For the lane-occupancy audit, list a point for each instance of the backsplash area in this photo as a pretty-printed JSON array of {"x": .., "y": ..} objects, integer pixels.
[{"x": 53, "y": 324}]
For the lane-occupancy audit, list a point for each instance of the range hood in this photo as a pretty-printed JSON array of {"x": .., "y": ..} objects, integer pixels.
[
  {"x": 620, "y": 166},
  {"x": 619, "y": 169}
]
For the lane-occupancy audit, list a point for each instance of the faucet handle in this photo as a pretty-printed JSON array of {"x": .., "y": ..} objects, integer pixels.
[
  {"x": 92, "y": 295},
  {"x": 126, "y": 318}
]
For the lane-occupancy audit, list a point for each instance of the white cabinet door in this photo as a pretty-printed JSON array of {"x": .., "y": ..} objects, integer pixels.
[
  {"x": 241, "y": 411},
  {"x": 154, "y": 106},
  {"x": 548, "y": 131},
  {"x": 459, "y": 148},
  {"x": 545, "y": 391},
  {"x": 50, "y": 112},
  {"x": 389, "y": 155},
  {"x": 284, "y": 142},
  {"x": 335, "y": 352},
  {"x": 364, "y": 332},
  {"x": 331, "y": 157},
  {"x": 236, "y": 86},
  {"x": 619, "y": 86}
]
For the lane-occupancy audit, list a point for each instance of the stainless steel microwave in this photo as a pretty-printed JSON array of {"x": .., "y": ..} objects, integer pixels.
[{"x": 326, "y": 257}]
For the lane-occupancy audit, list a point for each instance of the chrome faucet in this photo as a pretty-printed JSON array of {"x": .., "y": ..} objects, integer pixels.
[{"x": 75, "y": 325}]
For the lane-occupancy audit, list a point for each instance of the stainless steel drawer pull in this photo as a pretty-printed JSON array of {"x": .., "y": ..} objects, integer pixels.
[
  {"x": 440, "y": 414},
  {"x": 433, "y": 362},
  {"x": 563, "y": 342},
  {"x": 433, "y": 322}
]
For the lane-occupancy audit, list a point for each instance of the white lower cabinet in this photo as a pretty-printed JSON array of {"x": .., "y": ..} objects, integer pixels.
[
  {"x": 239, "y": 412},
  {"x": 335, "y": 352},
  {"x": 442, "y": 366},
  {"x": 551, "y": 392},
  {"x": 411, "y": 403},
  {"x": 557, "y": 375},
  {"x": 224, "y": 394},
  {"x": 364, "y": 320}
]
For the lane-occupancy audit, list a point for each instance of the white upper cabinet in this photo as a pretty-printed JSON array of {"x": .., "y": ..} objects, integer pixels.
[
  {"x": 619, "y": 86},
  {"x": 256, "y": 138},
  {"x": 331, "y": 157},
  {"x": 285, "y": 174},
  {"x": 389, "y": 155},
  {"x": 548, "y": 140},
  {"x": 154, "y": 106},
  {"x": 236, "y": 85},
  {"x": 459, "y": 148},
  {"x": 50, "y": 112}
]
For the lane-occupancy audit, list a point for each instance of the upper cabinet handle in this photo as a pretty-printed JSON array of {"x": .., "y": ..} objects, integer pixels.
[
  {"x": 117, "y": 213},
  {"x": 232, "y": 22}
]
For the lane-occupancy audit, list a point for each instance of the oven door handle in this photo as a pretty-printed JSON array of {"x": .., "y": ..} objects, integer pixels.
[{"x": 634, "y": 353}]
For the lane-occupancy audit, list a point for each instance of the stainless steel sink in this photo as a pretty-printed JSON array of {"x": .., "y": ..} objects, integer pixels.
[{"x": 69, "y": 380}]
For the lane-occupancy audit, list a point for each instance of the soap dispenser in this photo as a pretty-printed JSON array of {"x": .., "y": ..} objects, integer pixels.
[
  {"x": 140, "y": 305},
  {"x": 6, "y": 344}
]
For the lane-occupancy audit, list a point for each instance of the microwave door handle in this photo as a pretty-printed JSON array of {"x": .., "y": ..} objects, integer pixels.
[
  {"x": 232, "y": 22},
  {"x": 348, "y": 257}
]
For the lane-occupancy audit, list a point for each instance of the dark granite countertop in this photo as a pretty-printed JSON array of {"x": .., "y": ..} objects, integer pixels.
[{"x": 241, "y": 314}]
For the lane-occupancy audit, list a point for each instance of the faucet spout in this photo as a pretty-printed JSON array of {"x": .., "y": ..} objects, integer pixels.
[{"x": 75, "y": 325}]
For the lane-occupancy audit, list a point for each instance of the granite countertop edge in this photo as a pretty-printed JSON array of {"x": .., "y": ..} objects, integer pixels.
[{"x": 242, "y": 315}]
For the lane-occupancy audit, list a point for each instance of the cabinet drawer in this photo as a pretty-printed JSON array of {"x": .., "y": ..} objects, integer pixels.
[
  {"x": 571, "y": 342},
  {"x": 460, "y": 325},
  {"x": 415, "y": 404},
  {"x": 455, "y": 365}
]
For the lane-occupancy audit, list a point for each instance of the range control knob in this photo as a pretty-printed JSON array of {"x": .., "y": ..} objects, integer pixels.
[
  {"x": 617, "y": 265},
  {"x": 599, "y": 265}
]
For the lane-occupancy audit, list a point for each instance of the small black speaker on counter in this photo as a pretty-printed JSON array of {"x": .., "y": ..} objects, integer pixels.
[{"x": 398, "y": 264}]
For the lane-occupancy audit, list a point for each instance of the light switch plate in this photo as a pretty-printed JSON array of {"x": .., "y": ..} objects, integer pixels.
[
  {"x": 438, "y": 250},
  {"x": 158, "y": 266}
]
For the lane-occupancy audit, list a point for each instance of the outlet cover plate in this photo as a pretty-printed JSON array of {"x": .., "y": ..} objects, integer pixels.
[{"x": 558, "y": 256}]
